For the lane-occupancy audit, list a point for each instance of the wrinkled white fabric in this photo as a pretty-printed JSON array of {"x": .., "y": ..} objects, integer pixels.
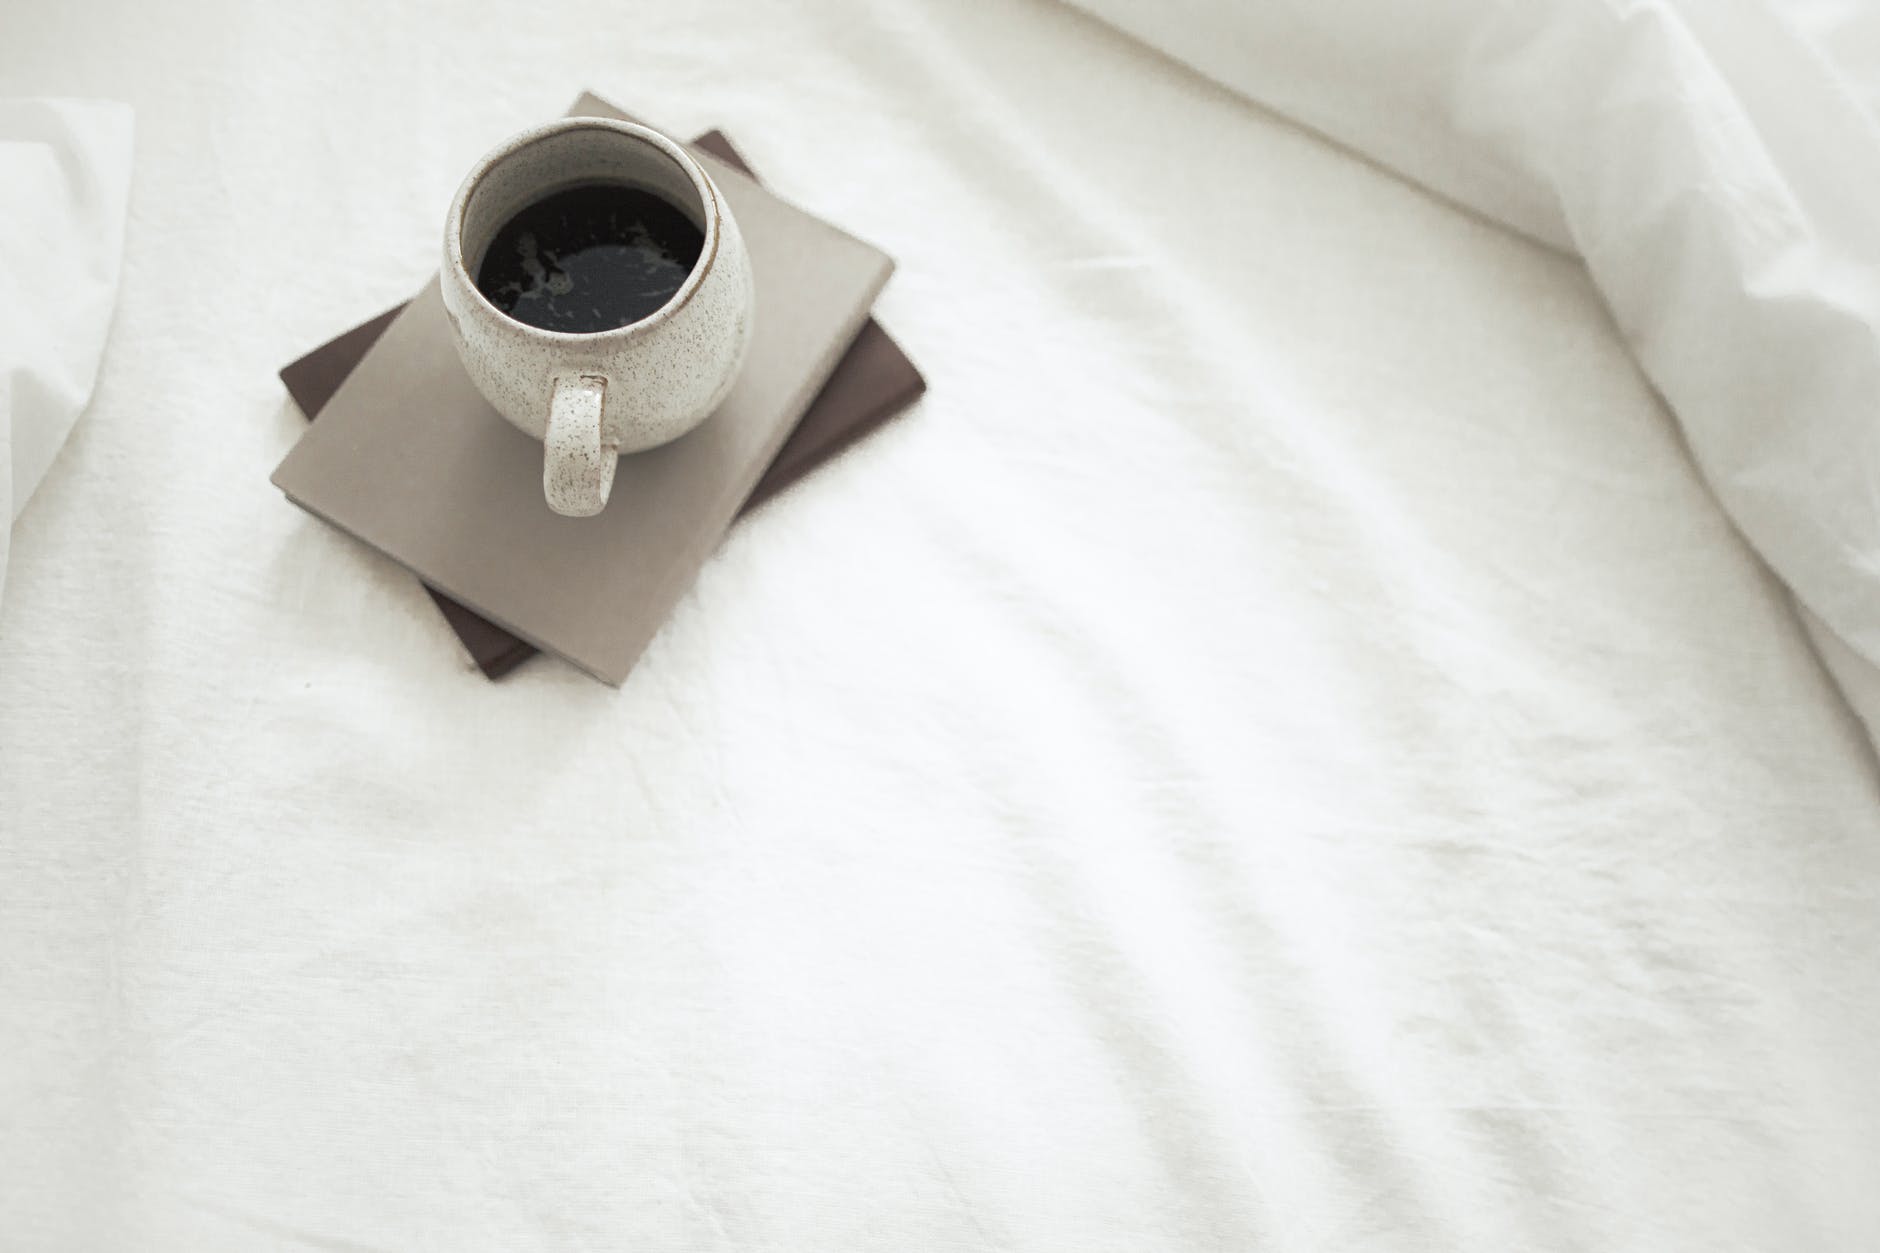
[
  {"x": 65, "y": 168},
  {"x": 1280, "y": 750},
  {"x": 1716, "y": 164}
]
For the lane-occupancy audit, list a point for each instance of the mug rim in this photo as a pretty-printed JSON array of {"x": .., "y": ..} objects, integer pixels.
[{"x": 688, "y": 165}]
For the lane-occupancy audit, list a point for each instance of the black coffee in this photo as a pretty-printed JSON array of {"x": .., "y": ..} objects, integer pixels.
[{"x": 590, "y": 258}]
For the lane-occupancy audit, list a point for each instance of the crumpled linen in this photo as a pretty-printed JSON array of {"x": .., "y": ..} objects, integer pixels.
[
  {"x": 1715, "y": 163},
  {"x": 65, "y": 170}
]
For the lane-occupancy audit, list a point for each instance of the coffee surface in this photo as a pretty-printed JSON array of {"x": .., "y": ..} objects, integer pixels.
[{"x": 590, "y": 258}]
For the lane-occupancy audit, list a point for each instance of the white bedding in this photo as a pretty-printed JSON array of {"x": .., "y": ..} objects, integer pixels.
[
  {"x": 1714, "y": 162},
  {"x": 65, "y": 173},
  {"x": 1280, "y": 750}
]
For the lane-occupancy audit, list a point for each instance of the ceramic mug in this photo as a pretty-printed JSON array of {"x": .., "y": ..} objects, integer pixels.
[{"x": 591, "y": 397}]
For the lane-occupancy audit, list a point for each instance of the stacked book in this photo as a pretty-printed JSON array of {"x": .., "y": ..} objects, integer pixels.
[{"x": 408, "y": 457}]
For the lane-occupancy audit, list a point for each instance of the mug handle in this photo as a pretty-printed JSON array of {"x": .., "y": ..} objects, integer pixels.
[{"x": 577, "y": 462}]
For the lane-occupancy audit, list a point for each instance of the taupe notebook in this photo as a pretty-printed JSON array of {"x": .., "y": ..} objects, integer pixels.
[{"x": 409, "y": 458}]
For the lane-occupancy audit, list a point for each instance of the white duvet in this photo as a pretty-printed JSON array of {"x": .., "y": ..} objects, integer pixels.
[
  {"x": 65, "y": 168},
  {"x": 1282, "y": 749},
  {"x": 1713, "y": 162}
]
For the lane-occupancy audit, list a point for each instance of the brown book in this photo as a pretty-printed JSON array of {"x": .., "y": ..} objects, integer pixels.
[
  {"x": 409, "y": 458},
  {"x": 873, "y": 382}
]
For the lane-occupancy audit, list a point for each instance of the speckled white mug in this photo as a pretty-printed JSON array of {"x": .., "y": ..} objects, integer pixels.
[{"x": 591, "y": 397}]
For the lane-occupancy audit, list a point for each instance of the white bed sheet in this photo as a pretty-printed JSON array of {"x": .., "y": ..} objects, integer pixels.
[{"x": 1279, "y": 750}]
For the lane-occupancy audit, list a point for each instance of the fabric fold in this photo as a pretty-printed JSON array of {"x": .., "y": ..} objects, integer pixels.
[
  {"x": 64, "y": 190},
  {"x": 1713, "y": 163}
]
